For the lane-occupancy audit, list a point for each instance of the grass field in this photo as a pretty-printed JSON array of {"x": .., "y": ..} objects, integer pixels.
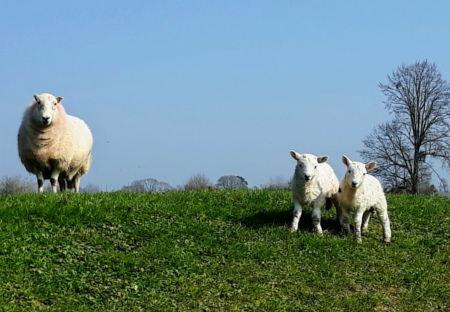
[{"x": 216, "y": 251}]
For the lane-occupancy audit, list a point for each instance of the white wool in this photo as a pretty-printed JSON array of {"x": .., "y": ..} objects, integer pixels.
[
  {"x": 313, "y": 184},
  {"x": 54, "y": 145},
  {"x": 361, "y": 194}
]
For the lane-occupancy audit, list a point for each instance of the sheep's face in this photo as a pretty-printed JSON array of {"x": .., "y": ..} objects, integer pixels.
[
  {"x": 356, "y": 171},
  {"x": 46, "y": 108},
  {"x": 307, "y": 165}
]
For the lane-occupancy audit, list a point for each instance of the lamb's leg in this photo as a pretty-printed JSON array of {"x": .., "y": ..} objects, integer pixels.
[
  {"x": 358, "y": 222},
  {"x": 316, "y": 215},
  {"x": 384, "y": 220},
  {"x": 338, "y": 208},
  {"x": 53, "y": 180},
  {"x": 365, "y": 220},
  {"x": 40, "y": 181},
  {"x": 297, "y": 214},
  {"x": 344, "y": 220}
]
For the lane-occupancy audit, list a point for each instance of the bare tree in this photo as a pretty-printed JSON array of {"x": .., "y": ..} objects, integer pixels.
[
  {"x": 16, "y": 185},
  {"x": 232, "y": 182},
  {"x": 148, "y": 186},
  {"x": 419, "y": 100},
  {"x": 135, "y": 186},
  {"x": 389, "y": 147},
  {"x": 164, "y": 187},
  {"x": 277, "y": 183},
  {"x": 90, "y": 188},
  {"x": 198, "y": 181}
]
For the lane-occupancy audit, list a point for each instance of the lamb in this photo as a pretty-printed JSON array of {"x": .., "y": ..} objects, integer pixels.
[
  {"x": 363, "y": 194},
  {"x": 54, "y": 145},
  {"x": 314, "y": 183}
]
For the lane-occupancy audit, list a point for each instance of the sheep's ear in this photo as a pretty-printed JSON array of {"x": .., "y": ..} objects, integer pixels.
[
  {"x": 346, "y": 160},
  {"x": 58, "y": 99},
  {"x": 295, "y": 155},
  {"x": 322, "y": 159},
  {"x": 370, "y": 166},
  {"x": 36, "y": 97}
]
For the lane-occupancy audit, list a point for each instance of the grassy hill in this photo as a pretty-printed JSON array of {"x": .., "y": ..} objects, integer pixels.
[{"x": 216, "y": 251}]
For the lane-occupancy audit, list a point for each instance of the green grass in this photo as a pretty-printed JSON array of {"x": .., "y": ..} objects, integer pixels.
[{"x": 216, "y": 251}]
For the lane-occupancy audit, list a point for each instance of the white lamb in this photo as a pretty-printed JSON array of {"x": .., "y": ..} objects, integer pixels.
[
  {"x": 361, "y": 193},
  {"x": 314, "y": 183},
  {"x": 54, "y": 145}
]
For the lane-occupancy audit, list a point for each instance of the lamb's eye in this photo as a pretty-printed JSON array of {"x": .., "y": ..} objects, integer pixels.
[
  {"x": 349, "y": 171},
  {"x": 364, "y": 173},
  {"x": 300, "y": 165},
  {"x": 315, "y": 167}
]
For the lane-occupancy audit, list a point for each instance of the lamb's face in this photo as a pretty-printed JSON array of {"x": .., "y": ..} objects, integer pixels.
[
  {"x": 307, "y": 164},
  {"x": 356, "y": 171},
  {"x": 46, "y": 108}
]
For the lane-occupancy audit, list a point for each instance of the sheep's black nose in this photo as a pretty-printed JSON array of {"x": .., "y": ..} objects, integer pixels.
[
  {"x": 45, "y": 119},
  {"x": 354, "y": 184},
  {"x": 307, "y": 177}
]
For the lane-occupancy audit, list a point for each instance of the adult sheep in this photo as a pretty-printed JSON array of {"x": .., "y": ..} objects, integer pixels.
[
  {"x": 52, "y": 144},
  {"x": 362, "y": 194},
  {"x": 314, "y": 183}
]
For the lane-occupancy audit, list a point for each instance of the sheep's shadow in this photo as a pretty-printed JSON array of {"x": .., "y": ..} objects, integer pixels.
[{"x": 284, "y": 219}]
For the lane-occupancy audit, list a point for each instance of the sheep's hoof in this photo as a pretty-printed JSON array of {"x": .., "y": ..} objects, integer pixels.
[
  {"x": 359, "y": 240},
  {"x": 292, "y": 230},
  {"x": 387, "y": 240}
]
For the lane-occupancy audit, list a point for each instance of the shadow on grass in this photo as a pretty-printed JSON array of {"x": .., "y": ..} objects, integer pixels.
[{"x": 284, "y": 219}]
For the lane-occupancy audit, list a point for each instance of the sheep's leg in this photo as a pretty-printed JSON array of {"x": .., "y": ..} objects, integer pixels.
[
  {"x": 384, "y": 220},
  {"x": 316, "y": 215},
  {"x": 76, "y": 182},
  {"x": 365, "y": 220},
  {"x": 358, "y": 222},
  {"x": 297, "y": 214},
  {"x": 62, "y": 184},
  {"x": 40, "y": 181},
  {"x": 344, "y": 220},
  {"x": 53, "y": 180}
]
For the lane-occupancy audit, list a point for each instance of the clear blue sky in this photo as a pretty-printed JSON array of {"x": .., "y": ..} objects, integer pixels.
[{"x": 174, "y": 88}]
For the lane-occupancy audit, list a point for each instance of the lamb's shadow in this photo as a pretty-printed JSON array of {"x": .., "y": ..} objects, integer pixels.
[{"x": 284, "y": 219}]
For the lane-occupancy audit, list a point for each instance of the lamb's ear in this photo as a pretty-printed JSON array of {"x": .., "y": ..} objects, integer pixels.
[
  {"x": 322, "y": 159},
  {"x": 295, "y": 155},
  {"x": 36, "y": 97},
  {"x": 58, "y": 99},
  {"x": 370, "y": 165},
  {"x": 346, "y": 160}
]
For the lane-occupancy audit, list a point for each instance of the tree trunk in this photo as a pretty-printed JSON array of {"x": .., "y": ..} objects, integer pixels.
[{"x": 415, "y": 173}]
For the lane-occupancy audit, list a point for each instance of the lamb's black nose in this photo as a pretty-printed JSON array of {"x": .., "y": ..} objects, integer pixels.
[
  {"x": 354, "y": 184},
  {"x": 307, "y": 177},
  {"x": 45, "y": 119}
]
